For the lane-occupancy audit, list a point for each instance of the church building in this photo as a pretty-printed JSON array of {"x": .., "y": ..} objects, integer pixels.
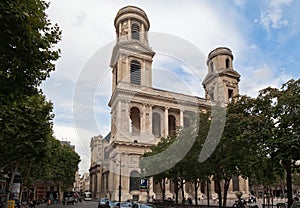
[{"x": 141, "y": 115}]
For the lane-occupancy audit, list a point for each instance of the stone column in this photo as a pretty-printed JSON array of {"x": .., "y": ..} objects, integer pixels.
[
  {"x": 126, "y": 74},
  {"x": 181, "y": 119},
  {"x": 166, "y": 121},
  {"x": 127, "y": 118},
  {"x": 119, "y": 117},
  {"x": 143, "y": 120},
  {"x": 150, "y": 120},
  {"x": 144, "y": 74},
  {"x": 142, "y": 33},
  {"x": 129, "y": 29}
]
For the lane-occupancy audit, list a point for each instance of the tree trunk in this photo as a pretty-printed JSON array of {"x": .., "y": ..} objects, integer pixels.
[
  {"x": 226, "y": 187},
  {"x": 219, "y": 192},
  {"x": 176, "y": 191},
  {"x": 11, "y": 181},
  {"x": 162, "y": 185},
  {"x": 181, "y": 185},
  {"x": 208, "y": 192},
  {"x": 288, "y": 169},
  {"x": 196, "y": 191}
]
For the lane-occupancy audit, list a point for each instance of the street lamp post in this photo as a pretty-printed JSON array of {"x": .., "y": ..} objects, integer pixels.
[{"x": 120, "y": 177}]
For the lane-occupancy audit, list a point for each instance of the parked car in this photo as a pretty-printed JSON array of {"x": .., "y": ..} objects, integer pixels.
[
  {"x": 68, "y": 200},
  {"x": 104, "y": 203},
  {"x": 121, "y": 205},
  {"x": 143, "y": 205}
]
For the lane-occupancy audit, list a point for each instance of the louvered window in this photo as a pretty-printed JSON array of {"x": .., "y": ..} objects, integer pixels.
[
  {"x": 135, "y": 73},
  {"x": 135, "y": 29}
]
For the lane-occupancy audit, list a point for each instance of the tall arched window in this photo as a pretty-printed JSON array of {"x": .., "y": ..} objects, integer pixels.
[
  {"x": 211, "y": 66},
  {"x": 135, "y": 120},
  {"x": 135, "y": 72},
  {"x": 135, "y": 30},
  {"x": 156, "y": 126},
  {"x": 235, "y": 183},
  {"x": 172, "y": 125},
  {"x": 134, "y": 183},
  {"x": 186, "y": 122},
  {"x": 227, "y": 63},
  {"x": 116, "y": 68}
]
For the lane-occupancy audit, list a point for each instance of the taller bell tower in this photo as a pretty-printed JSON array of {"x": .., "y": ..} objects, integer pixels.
[{"x": 131, "y": 60}]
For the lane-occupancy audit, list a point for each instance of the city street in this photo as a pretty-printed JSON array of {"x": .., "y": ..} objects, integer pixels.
[{"x": 84, "y": 204}]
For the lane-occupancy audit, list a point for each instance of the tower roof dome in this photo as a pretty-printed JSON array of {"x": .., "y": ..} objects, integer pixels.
[
  {"x": 134, "y": 13},
  {"x": 220, "y": 51}
]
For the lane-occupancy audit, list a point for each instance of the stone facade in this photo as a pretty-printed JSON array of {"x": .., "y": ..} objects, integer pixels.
[{"x": 141, "y": 114}]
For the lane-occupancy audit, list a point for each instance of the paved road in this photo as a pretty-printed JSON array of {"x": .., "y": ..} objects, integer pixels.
[{"x": 84, "y": 204}]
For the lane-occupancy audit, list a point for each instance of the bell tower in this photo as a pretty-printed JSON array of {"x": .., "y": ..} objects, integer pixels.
[
  {"x": 131, "y": 60},
  {"x": 222, "y": 81}
]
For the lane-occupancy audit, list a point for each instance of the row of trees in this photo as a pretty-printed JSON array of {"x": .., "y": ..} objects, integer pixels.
[
  {"x": 260, "y": 141},
  {"x": 27, "y": 55}
]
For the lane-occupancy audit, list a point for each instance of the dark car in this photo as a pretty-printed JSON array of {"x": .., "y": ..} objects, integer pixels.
[
  {"x": 68, "y": 200},
  {"x": 103, "y": 203}
]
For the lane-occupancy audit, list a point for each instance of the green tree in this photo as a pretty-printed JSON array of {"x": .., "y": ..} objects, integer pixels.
[
  {"x": 281, "y": 106},
  {"x": 59, "y": 166},
  {"x": 26, "y": 128},
  {"x": 26, "y": 47},
  {"x": 27, "y": 56}
]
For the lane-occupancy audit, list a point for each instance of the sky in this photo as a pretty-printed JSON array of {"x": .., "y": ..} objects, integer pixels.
[{"x": 262, "y": 34}]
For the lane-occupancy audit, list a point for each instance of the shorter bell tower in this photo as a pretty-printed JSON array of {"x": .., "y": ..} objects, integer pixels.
[{"x": 222, "y": 81}]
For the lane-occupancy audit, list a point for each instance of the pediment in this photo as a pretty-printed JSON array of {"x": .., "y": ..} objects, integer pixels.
[
  {"x": 128, "y": 48},
  {"x": 136, "y": 46},
  {"x": 231, "y": 73}
]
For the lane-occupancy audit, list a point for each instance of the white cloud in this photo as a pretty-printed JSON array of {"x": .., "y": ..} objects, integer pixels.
[
  {"x": 272, "y": 17},
  {"x": 80, "y": 138},
  {"x": 260, "y": 78}
]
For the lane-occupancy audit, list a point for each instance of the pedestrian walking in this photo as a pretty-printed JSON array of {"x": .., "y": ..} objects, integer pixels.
[{"x": 48, "y": 202}]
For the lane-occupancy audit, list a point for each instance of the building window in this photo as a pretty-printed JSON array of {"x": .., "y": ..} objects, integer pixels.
[
  {"x": 227, "y": 63},
  {"x": 230, "y": 95},
  {"x": 134, "y": 183},
  {"x": 116, "y": 68},
  {"x": 186, "y": 122},
  {"x": 135, "y": 120},
  {"x": 156, "y": 125},
  {"x": 172, "y": 125},
  {"x": 212, "y": 97},
  {"x": 235, "y": 183},
  {"x": 135, "y": 72},
  {"x": 211, "y": 66},
  {"x": 135, "y": 29}
]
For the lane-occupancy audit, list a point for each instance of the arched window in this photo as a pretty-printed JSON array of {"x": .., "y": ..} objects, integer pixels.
[
  {"x": 186, "y": 122},
  {"x": 116, "y": 68},
  {"x": 135, "y": 120},
  {"x": 235, "y": 183},
  {"x": 211, "y": 66},
  {"x": 135, "y": 30},
  {"x": 156, "y": 126},
  {"x": 135, "y": 72},
  {"x": 227, "y": 63},
  {"x": 172, "y": 125},
  {"x": 134, "y": 183}
]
